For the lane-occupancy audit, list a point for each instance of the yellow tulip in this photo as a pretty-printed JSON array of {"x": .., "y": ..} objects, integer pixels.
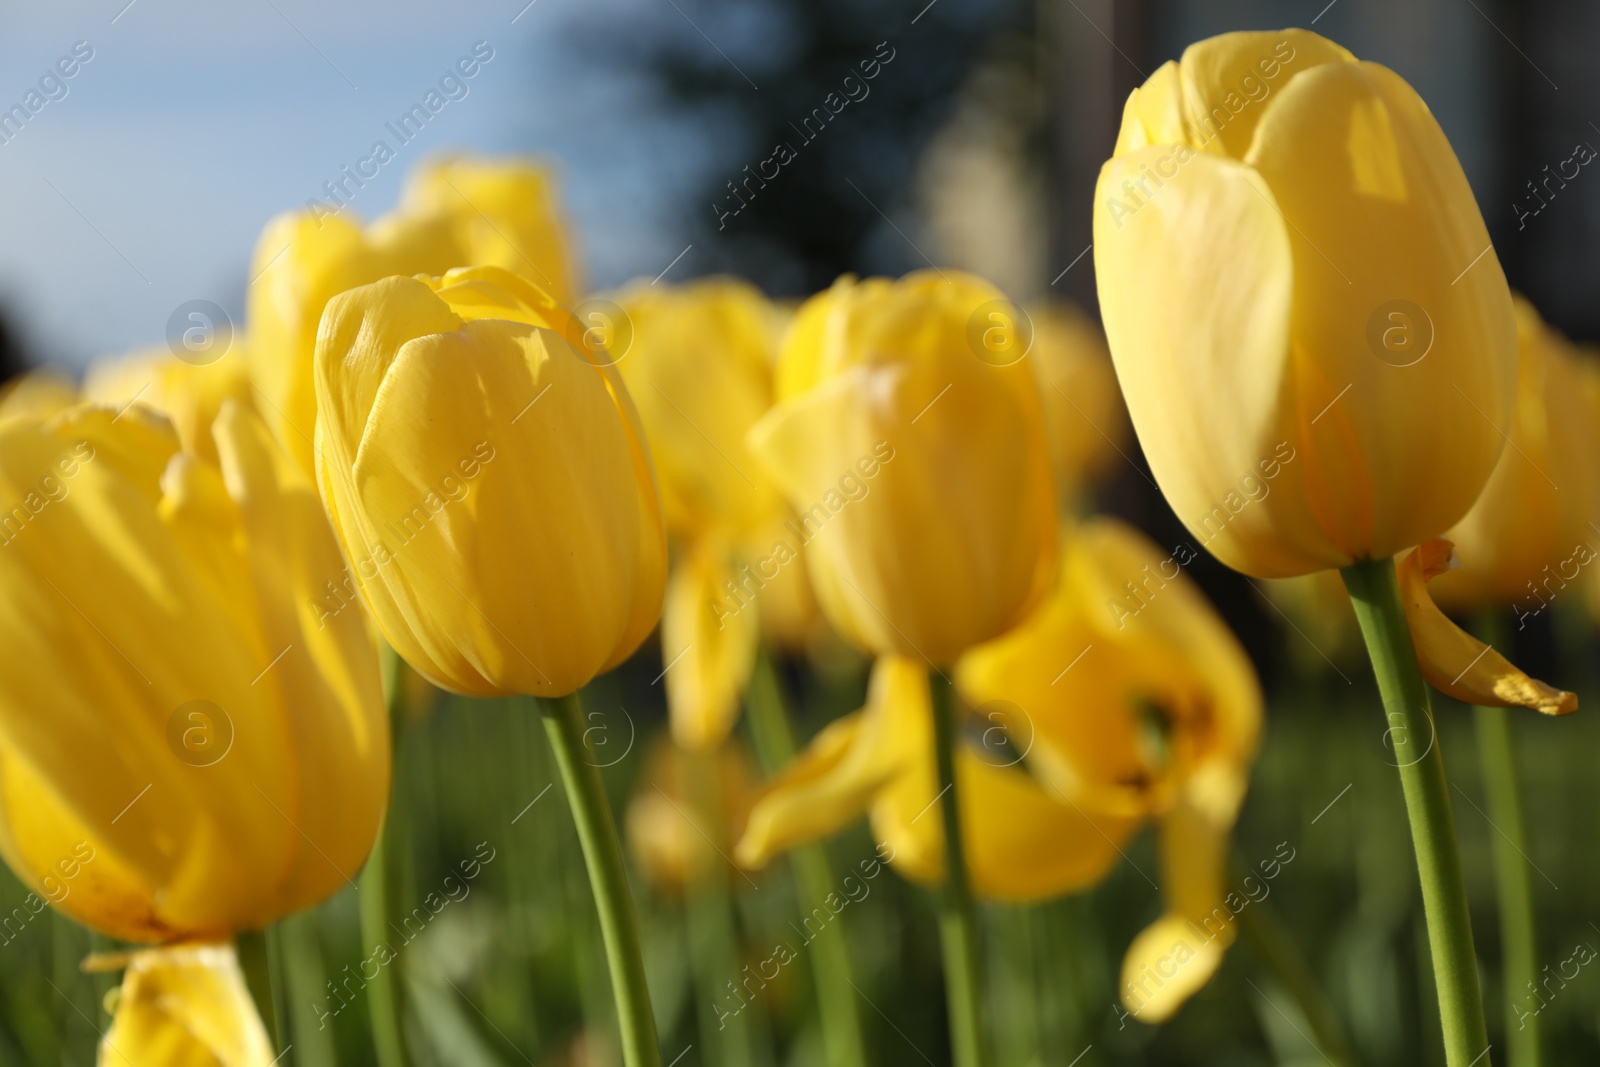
[
  {"x": 910, "y": 443},
  {"x": 502, "y": 212},
  {"x": 1530, "y": 534},
  {"x": 304, "y": 259},
  {"x": 190, "y": 395},
  {"x": 491, "y": 486},
  {"x": 1086, "y": 424},
  {"x": 1150, "y": 712},
  {"x": 1313, "y": 334},
  {"x": 212, "y": 754},
  {"x": 698, "y": 363}
]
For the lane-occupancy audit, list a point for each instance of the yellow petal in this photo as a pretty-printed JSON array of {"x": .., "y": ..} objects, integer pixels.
[
  {"x": 1176, "y": 955},
  {"x": 1453, "y": 661},
  {"x": 1379, "y": 211},
  {"x": 185, "y": 1005},
  {"x": 699, "y": 367},
  {"x": 833, "y": 782},
  {"x": 1528, "y": 536},
  {"x": 503, "y": 213},
  {"x": 37, "y": 393},
  {"x": 1025, "y": 842},
  {"x": 708, "y": 642},
  {"x": 1221, "y": 346},
  {"x": 1227, "y": 81}
]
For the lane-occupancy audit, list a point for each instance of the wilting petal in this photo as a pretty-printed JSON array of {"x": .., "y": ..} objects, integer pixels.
[
  {"x": 708, "y": 643},
  {"x": 1177, "y": 954},
  {"x": 834, "y": 781},
  {"x": 1453, "y": 661},
  {"x": 185, "y": 1006}
]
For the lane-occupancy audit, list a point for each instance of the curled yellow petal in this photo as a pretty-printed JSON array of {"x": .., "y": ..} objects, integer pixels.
[
  {"x": 1453, "y": 661},
  {"x": 708, "y": 641},
  {"x": 185, "y": 1004},
  {"x": 838, "y": 776},
  {"x": 1176, "y": 955}
]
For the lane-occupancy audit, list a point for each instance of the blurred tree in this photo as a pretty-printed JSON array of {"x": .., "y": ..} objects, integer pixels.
[{"x": 822, "y": 164}]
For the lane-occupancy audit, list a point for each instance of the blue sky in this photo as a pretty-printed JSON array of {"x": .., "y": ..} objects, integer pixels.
[{"x": 146, "y": 185}]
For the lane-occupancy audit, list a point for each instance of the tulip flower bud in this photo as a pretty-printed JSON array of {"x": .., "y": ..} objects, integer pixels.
[
  {"x": 909, "y": 440},
  {"x": 189, "y": 745},
  {"x": 1529, "y": 535},
  {"x": 452, "y": 214},
  {"x": 1312, "y": 331},
  {"x": 503, "y": 213},
  {"x": 491, "y": 486}
]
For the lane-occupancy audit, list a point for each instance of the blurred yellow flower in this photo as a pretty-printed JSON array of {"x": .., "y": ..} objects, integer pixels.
[
  {"x": 1532, "y": 533},
  {"x": 1291, "y": 264},
  {"x": 455, "y": 213},
  {"x": 675, "y": 825},
  {"x": 490, "y": 485},
  {"x": 190, "y": 395},
  {"x": 910, "y": 444},
  {"x": 186, "y": 749},
  {"x": 38, "y": 392},
  {"x": 502, "y": 213},
  {"x": 1085, "y": 421},
  {"x": 1095, "y": 721},
  {"x": 698, "y": 363}
]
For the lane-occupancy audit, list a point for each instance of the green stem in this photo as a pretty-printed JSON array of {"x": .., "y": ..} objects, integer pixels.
[
  {"x": 1278, "y": 948},
  {"x": 304, "y": 970},
  {"x": 958, "y": 920},
  {"x": 597, "y": 833},
  {"x": 383, "y": 1000},
  {"x": 830, "y": 952},
  {"x": 254, "y": 961},
  {"x": 714, "y": 927},
  {"x": 1513, "y": 888},
  {"x": 1375, "y": 592},
  {"x": 383, "y": 994}
]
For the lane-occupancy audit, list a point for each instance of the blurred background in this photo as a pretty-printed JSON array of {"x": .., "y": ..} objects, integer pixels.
[{"x": 144, "y": 185}]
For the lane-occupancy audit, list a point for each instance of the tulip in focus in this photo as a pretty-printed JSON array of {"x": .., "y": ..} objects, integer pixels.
[
  {"x": 914, "y": 457},
  {"x": 454, "y": 213},
  {"x": 698, "y": 364},
  {"x": 490, "y": 485},
  {"x": 186, "y": 750},
  {"x": 1145, "y": 714},
  {"x": 1313, "y": 334}
]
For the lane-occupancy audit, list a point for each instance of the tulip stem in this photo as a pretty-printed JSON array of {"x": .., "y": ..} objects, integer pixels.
[
  {"x": 1375, "y": 593},
  {"x": 958, "y": 919},
  {"x": 830, "y": 952},
  {"x": 372, "y": 895},
  {"x": 1513, "y": 888},
  {"x": 255, "y": 960},
  {"x": 608, "y": 878}
]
